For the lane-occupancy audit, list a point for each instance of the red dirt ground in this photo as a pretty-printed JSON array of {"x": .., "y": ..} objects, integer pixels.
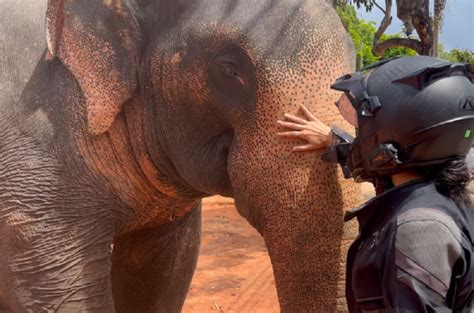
[{"x": 234, "y": 273}]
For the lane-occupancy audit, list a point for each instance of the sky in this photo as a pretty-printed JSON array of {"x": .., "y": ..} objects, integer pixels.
[{"x": 457, "y": 30}]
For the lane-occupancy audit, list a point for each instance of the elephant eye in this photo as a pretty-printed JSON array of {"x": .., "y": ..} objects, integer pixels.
[
  {"x": 232, "y": 77},
  {"x": 230, "y": 69}
]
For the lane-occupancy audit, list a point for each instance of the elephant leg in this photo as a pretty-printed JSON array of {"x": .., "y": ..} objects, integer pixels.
[
  {"x": 152, "y": 268},
  {"x": 55, "y": 263}
]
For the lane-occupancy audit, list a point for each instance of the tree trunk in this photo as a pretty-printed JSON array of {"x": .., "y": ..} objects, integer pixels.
[
  {"x": 416, "y": 15},
  {"x": 437, "y": 19}
]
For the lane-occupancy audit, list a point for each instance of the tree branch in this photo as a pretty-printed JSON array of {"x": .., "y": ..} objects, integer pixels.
[
  {"x": 415, "y": 14},
  {"x": 387, "y": 20},
  {"x": 414, "y": 44},
  {"x": 378, "y": 6}
]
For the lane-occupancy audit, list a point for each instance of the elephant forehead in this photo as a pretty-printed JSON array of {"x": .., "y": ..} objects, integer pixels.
[
  {"x": 299, "y": 54},
  {"x": 271, "y": 32},
  {"x": 275, "y": 29}
]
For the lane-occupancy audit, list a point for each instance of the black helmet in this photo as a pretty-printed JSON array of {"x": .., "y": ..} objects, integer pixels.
[{"x": 408, "y": 112}]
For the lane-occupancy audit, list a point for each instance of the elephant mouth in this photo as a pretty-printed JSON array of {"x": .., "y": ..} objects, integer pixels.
[
  {"x": 211, "y": 161},
  {"x": 224, "y": 145}
]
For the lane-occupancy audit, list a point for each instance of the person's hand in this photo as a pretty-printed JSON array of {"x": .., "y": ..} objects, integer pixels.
[{"x": 316, "y": 133}]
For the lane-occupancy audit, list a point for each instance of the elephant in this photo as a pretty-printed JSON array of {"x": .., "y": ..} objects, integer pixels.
[{"x": 132, "y": 111}]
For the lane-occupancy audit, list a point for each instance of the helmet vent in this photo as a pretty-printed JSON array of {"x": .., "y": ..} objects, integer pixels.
[{"x": 422, "y": 78}]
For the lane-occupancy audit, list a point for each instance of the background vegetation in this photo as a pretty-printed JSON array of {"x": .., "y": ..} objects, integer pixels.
[{"x": 362, "y": 33}]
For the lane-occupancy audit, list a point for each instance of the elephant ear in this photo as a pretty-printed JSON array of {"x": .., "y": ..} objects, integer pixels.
[{"x": 98, "y": 42}]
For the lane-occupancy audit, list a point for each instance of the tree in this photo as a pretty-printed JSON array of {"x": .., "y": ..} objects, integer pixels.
[
  {"x": 439, "y": 6},
  {"x": 415, "y": 15},
  {"x": 457, "y": 55},
  {"x": 363, "y": 33}
]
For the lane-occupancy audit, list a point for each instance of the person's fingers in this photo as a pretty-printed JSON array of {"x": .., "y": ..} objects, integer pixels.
[
  {"x": 295, "y": 119},
  {"x": 310, "y": 147},
  {"x": 291, "y": 125},
  {"x": 308, "y": 114},
  {"x": 291, "y": 134},
  {"x": 307, "y": 147}
]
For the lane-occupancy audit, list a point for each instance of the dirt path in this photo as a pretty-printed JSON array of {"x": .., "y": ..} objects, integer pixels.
[{"x": 234, "y": 273}]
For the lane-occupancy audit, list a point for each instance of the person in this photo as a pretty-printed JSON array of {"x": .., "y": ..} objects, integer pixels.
[{"x": 414, "y": 118}]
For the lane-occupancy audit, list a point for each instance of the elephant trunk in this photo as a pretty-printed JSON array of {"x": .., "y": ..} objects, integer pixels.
[
  {"x": 295, "y": 200},
  {"x": 297, "y": 203},
  {"x": 309, "y": 262}
]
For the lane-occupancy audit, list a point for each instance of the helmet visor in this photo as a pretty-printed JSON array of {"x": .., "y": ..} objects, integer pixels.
[{"x": 347, "y": 110}]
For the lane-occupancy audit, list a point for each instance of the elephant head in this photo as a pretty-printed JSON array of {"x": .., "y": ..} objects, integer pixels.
[
  {"x": 220, "y": 75},
  {"x": 165, "y": 102}
]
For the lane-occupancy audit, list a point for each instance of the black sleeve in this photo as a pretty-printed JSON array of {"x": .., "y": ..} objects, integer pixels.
[{"x": 426, "y": 249}]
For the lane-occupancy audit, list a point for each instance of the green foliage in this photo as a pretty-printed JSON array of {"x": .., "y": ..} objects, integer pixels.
[
  {"x": 368, "y": 4},
  {"x": 456, "y": 55},
  {"x": 362, "y": 34}
]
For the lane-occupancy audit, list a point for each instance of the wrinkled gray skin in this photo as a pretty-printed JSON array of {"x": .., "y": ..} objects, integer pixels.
[
  {"x": 22, "y": 41},
  {"x": 21, "y": 44},
  {"x": 137, "y": 110}
]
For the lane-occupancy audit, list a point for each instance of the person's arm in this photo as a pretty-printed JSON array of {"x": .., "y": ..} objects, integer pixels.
[
  {"x": 316, "y": 134},
  {"x": 427, "y": 255}
]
